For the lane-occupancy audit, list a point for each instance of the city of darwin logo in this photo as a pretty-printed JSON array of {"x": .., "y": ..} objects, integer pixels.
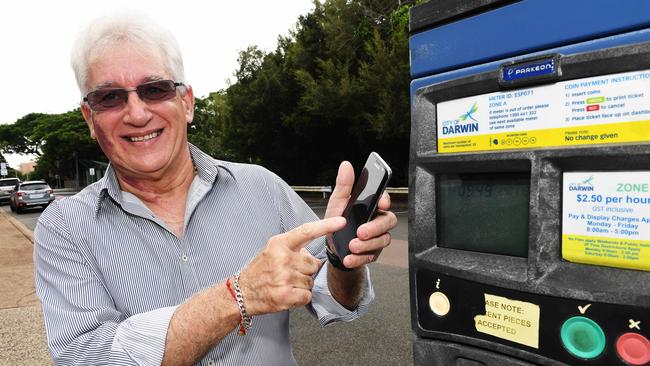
[
  {"x": 465, "y": 122},
  {"x": 585, "y": 185}
]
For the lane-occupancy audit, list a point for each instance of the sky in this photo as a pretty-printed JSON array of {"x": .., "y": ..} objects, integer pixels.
[{"x": 36, "y": 38}]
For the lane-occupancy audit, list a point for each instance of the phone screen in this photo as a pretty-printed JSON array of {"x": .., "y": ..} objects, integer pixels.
[{"x": 367, "y": 191}]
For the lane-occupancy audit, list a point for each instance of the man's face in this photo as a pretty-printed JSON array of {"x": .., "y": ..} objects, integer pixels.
[{"x": 141, "y": 138}]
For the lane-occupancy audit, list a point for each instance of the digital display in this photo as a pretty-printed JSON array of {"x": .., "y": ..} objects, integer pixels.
[{"x": 484, "y": 212}]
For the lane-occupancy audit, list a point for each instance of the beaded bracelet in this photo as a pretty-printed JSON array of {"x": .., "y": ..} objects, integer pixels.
[{"x": 245, "y": 321}]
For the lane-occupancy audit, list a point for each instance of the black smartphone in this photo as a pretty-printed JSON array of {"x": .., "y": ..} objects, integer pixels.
[{"x": 367, "y": 190}]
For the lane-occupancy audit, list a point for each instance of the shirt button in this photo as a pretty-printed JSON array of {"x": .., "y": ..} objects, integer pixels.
[
  {"x": 211, "y": 363},
  {"x": 184, "y": 257}
]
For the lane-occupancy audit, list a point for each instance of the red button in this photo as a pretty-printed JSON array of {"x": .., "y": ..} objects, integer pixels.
[{"x": 633, "y": 348}]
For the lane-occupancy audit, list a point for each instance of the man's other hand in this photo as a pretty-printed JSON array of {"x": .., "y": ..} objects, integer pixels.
[{"x": 373, "y": 236}]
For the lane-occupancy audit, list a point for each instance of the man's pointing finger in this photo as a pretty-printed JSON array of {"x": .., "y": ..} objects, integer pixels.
[{"x": 303, "y": 234}]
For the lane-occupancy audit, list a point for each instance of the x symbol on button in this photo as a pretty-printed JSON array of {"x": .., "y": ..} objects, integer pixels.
[{"x": 634, "y": 324}]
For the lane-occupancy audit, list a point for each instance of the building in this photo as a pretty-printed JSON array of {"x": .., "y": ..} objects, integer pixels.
[{"x": 26, "y": 168}]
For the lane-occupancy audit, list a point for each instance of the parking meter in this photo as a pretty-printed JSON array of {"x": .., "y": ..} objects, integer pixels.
[{"x": 529, "y": 217}]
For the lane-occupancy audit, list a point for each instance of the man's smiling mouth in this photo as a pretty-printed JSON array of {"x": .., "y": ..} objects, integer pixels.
[{"x": 145, "y": 137}]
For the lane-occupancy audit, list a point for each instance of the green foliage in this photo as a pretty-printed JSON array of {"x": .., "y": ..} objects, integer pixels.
[
  {"x": 16, "y": 137},
  {"x": 336, "y": 89},
  {"x": 211, "y": 116},
  {"x": 59, "y": 141},
  {"x": 255, "y": 130}
]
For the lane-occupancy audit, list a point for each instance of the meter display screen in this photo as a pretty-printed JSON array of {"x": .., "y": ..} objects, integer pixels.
[{"x": 484, "y": 212}]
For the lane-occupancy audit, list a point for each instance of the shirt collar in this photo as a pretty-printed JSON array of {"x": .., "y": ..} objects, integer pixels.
[{"x": 207, "y": 169}]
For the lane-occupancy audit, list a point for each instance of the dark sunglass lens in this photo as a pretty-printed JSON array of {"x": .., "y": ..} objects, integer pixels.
[
  {"x": 157, "y": 90},
  {"x": 107, "y": 99}
]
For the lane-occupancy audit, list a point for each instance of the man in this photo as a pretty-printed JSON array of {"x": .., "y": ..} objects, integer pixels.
[{"x": 141, "y": 267}]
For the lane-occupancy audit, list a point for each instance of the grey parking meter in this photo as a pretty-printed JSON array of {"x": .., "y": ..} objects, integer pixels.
[{"x": 529, "y": 217}]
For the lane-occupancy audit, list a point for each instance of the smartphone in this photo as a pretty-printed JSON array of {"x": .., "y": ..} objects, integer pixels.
[{"x": 367, "y": 190}]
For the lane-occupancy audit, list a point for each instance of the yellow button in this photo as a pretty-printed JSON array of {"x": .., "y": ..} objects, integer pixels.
[{"x": 439, "y": 303}]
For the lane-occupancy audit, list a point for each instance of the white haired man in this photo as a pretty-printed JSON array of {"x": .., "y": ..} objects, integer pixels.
[{"x": 173, "y": 254}]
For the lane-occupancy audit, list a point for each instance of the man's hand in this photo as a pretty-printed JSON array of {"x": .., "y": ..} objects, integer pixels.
[
  {"x": 280, "y": 276},
  {"x": 373, "y": 236}
]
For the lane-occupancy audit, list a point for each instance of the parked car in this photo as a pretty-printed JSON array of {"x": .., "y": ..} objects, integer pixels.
[
  {"x": 30, "y": 194},
  {"x": 7, "y": 185}
]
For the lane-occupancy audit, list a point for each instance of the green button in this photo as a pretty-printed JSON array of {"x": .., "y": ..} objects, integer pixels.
[{"x": 582, "y": 337}]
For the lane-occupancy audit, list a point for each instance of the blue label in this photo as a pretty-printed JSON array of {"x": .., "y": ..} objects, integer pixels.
[{"x": 528, "y": 70}]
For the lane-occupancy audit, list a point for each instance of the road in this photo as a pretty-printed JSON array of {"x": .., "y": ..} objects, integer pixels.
[
  {"x": 382, "y": 337},
  {"x": 30, "y": 216}
]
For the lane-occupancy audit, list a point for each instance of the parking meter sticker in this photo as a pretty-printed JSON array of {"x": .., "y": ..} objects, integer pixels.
[
  {"x": 568, "y": 136},
  {"x": 513, "y": 320},
  {"x": 598, "y": 110},
  {"x": 606, "y": 219},
  {"x": 621, "y": 253}
]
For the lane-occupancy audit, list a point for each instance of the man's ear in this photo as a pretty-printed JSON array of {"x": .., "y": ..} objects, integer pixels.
[
  {"x": 87, "y": 113},
  {"x": 188, "y": 103}
]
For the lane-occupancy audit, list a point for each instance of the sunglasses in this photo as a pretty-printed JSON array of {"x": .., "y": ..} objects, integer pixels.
[{"x": 115, "y": 98}]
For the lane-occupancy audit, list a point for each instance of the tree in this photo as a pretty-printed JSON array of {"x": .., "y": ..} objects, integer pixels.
[
  {"x": 15, "y": 138},
  {"x": 336, "y": 89},
  {"x": 207, "y": 129},
  {"x": 58, "y": 140},
  {"x": 258, "y": 102}
]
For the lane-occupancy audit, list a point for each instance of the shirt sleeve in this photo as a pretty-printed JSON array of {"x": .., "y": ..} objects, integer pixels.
[
  {"x": 294, "y": 212},
  {"x": 328, "y": 310},
  {"x": 141, "y": 337},
  {"x": 82, "y": 324}
]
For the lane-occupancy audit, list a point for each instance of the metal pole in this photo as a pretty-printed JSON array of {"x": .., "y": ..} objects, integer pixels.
[{"x": 76, "y": 163}]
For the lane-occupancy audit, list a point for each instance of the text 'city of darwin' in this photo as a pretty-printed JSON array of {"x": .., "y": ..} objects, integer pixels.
[{"x": 450, "y": 130}]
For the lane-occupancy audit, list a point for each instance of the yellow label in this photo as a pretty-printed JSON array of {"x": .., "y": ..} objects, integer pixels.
[
  {"x": 513, "y": 320},
  {"x": 612, "y": 252},
  {"x": 609, "y": 133}
]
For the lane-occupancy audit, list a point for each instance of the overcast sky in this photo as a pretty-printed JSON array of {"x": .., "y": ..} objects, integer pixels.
[{"x": 36, "y": 37}]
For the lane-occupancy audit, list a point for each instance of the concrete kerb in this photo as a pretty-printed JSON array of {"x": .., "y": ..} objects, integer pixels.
[{"x": 19, "y": 226}]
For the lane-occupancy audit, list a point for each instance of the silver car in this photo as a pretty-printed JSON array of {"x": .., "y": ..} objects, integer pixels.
[
  {"x": 30, "y": 194},
  {"x": 7, "y": 186}
]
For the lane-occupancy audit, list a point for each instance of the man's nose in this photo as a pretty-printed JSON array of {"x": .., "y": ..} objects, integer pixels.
[{"x": 137, "y": 110}]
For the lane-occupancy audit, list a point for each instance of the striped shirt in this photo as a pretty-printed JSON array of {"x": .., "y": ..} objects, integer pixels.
[{"x": 110, "y": 274}]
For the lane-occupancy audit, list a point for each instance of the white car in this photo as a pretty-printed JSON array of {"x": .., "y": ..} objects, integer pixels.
[
  {"x": 7, "y": 185},
  {"x": 31, "y": 194}
]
